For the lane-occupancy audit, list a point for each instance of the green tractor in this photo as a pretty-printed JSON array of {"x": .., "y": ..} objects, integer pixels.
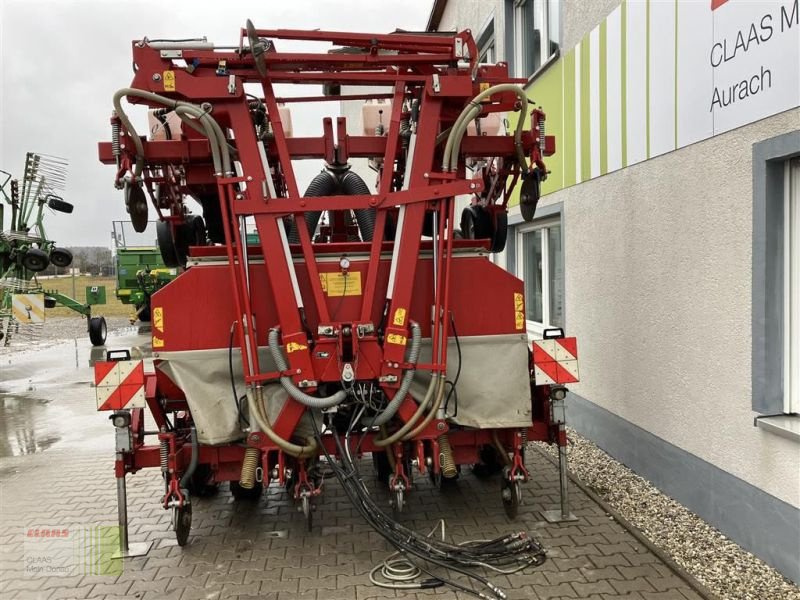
[
  {"x": 25, "y": 249},
  {"x": 140, "y": 270}
]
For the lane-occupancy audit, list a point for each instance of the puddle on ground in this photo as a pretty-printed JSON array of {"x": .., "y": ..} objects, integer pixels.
[{"x": 23, "y": 427}]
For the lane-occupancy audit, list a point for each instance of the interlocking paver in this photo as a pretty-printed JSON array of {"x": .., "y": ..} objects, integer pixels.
[{"x": 261, "y": 549}]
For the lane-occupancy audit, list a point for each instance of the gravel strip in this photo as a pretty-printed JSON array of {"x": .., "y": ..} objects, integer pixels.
[{"x": 720, "y": 564}]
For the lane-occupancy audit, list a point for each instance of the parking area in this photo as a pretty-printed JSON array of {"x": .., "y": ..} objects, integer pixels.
[{"x": 56, "y": 480}]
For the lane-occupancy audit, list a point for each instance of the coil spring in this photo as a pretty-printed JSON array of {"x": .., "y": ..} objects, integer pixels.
[
  {"x": 446, "y": 461},
  {"x": 249, "y": 465},
  {"x": 163, "y": 452},
  {"x": 115, "y": 146},
  {"x": 541, "y": 133},
  {"x": 523, "y": 437}
]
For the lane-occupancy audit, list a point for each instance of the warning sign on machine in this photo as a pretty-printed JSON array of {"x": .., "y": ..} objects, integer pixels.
[
  {"x": 28, "y": 308},
  {"x": 341, "y": 284}
]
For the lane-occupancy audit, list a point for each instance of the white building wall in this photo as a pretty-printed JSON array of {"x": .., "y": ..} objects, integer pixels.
[{"x": 658, "y": 263}]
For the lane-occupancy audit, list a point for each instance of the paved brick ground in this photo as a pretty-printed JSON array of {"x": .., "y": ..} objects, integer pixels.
[
  {"x": 234, "y": 552},
  {"x": 249, "y": 550}
]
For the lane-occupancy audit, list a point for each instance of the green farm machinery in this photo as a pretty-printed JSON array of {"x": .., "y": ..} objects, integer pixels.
[
  {"x": 26, "y": 250},
  {"x": 140, "y": 270}
]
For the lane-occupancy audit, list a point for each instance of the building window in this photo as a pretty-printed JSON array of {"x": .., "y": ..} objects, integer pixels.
[
  {"x": 791, "y": 283},
  {"x": 486, "y": 46},
  {"x": 540, "y": 264},
  {"x": 535, "y": 28}
]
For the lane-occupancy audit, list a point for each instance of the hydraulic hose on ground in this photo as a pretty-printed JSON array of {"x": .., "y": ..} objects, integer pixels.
[
  {"x": 413, "y": 354},
  {"x": 288, "y": 384}
]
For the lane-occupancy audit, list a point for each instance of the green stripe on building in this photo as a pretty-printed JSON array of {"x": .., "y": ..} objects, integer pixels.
[
  {"x": 585, "y": 149},
  {"x": 568, "y": 143}
]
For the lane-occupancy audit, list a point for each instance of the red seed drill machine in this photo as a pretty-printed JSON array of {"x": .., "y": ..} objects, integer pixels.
[{"x": 310, "y": 328}]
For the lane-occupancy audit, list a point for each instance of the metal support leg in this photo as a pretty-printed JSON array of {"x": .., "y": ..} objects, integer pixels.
[
  {"x": 126, "y": 550},
  {"x": 558, "y": 409},
  {"x": 123, "y": 437}
]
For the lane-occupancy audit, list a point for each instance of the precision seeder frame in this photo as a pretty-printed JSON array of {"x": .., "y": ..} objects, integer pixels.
[{"x": 353, "y": 297}]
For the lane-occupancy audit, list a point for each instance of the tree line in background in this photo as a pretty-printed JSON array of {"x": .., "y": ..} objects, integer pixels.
[{"x": 95, "y": 260}]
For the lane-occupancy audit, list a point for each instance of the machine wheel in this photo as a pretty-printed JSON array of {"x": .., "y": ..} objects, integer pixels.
[
  {"x": 182, "y": 523},
  {"x": 59, "y": 205},
  {"x": 61, "y": 257},
  {"x": 35, "y": 260},
  {"x": 308, "y": 512},
  {"x": 49, "y": 302},
  {"x": 239, "y": 493},
  {"x": 97, "y": 330},
  {"x": 443, "y": 483},
  {"x": 144, "y": 313},
  {"x": 383, "y": 470},
  {"x": 476, "y": 223},
  {"x": 398, "y": 501},
  {"x": 490, "y": 464},
  {"x": 199, "y": 485},
  {"x": 510, "y": 494},
  {"x": 500, "y": 233},
  {"x": 166, "y": 244}
]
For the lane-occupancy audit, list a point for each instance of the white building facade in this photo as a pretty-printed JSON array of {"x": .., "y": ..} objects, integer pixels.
[{"x": 668, "y": 238}]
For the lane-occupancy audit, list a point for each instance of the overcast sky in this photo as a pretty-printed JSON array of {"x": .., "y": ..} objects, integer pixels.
[{"x": 61, "y": 61}]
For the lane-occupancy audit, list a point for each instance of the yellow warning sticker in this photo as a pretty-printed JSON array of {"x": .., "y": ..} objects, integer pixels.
[
  {"x": 169, "y": 81},
  {"x": 399, "y": 317},
  {"x": 519, "y": 311},
  {"x": 341, "y": 284},
  {"x": 157, "y": 342},
  {"x": 484, "y": 85},
  {"x": 395, "y": 338},
  {"x": 294, "y": 347},
  {"x": 158, "y": 318}
]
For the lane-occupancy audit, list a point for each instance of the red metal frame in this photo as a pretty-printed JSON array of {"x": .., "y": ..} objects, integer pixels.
[{"x": 439, "y": 72}]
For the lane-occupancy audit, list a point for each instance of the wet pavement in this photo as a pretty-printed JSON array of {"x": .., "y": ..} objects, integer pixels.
[
  {"x": 47, "y": 395},
  {"x": 57, "y": 498}
]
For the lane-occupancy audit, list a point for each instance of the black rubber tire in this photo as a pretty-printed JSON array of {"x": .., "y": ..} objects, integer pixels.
[
  {"x": 35, "y": 260},
  {"x": 490, "y": 464},
  {"x": 199, "y": 484},
  {"x": 166, "y": 244},
  {"x": 239, "y": 493},
  {"x": 97, "y": 330},
  {"x": 183, "y": 524},
  {"x": 59, "y": 205},
  {"x": 144, "y": 315},
  {"x": 500, "y": 233},
  {"x": 476, "y": 223},
  {"x": 383, "y": 470},
  {"x": 60, "y": 257}
]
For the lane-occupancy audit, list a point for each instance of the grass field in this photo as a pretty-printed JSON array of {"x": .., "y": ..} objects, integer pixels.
[{"x": 64, "y": 285}]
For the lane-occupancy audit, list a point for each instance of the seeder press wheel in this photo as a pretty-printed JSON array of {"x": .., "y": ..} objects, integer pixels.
[
  {"x": 511, "y": 495},
  {"x": 182, "y": 522}
]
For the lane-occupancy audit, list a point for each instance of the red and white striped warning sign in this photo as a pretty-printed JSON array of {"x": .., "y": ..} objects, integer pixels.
[
  {"x": 119, "y": 384},
  {"x": 555, "y": 361}
]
